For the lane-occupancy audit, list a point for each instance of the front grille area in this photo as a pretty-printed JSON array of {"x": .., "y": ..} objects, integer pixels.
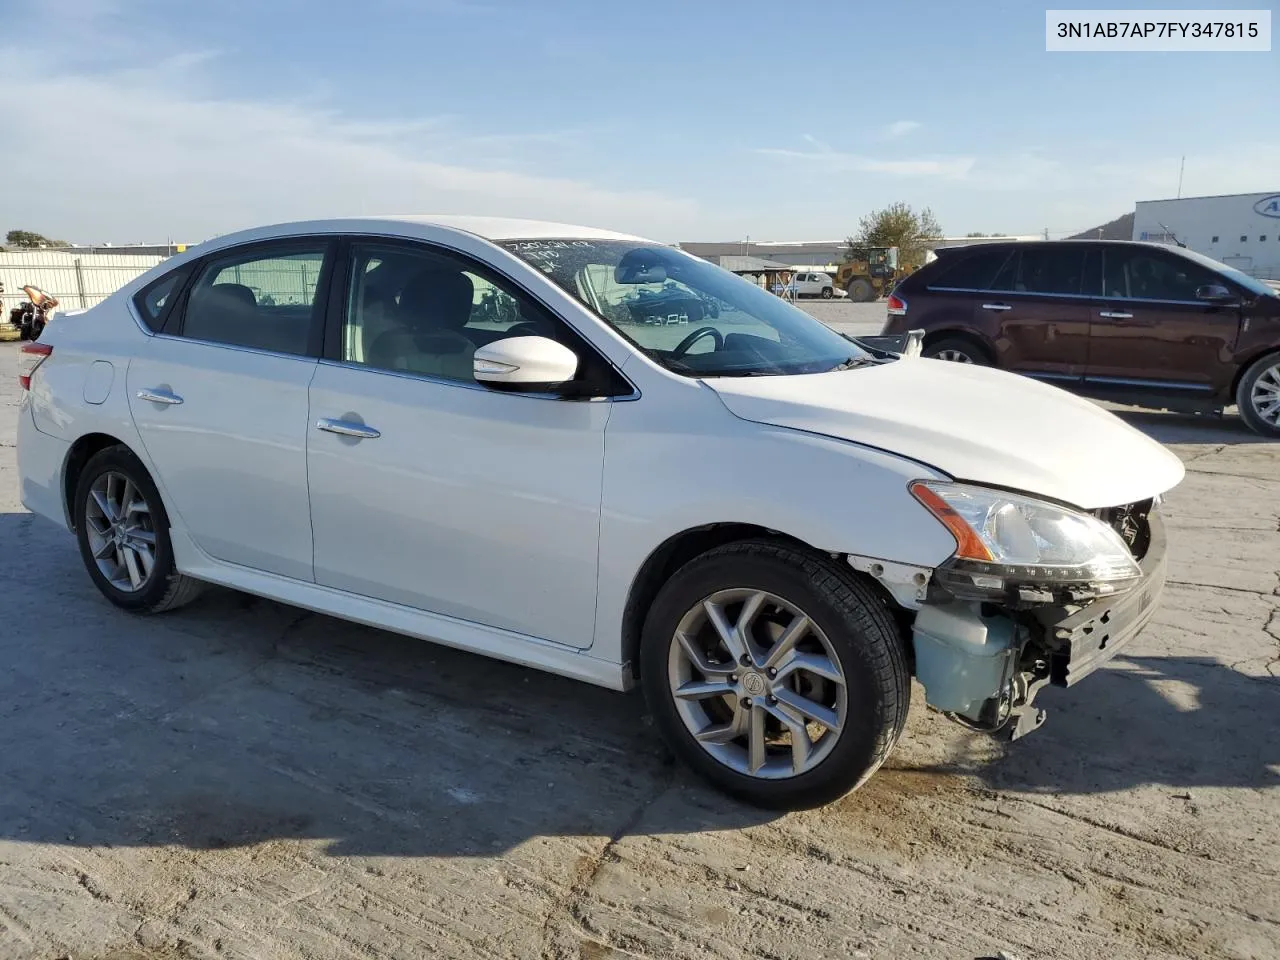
[{"x": 1133, "y": 522}]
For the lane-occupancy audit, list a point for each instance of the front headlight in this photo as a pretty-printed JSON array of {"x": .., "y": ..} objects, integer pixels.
[{"x": 1014, "y": 547}]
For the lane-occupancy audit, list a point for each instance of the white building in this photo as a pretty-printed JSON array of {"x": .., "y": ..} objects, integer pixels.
[{"x": 1242, "y": 229}]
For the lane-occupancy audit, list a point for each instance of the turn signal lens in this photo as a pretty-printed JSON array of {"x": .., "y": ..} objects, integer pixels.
[{"x": 968, "y": 544}]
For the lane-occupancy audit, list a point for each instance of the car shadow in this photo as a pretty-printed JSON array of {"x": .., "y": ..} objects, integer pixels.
[
  {"x": 1178, "y": 722},
  {"x": 1227, "y": 430},
  {"x": 237, "y": 720}
]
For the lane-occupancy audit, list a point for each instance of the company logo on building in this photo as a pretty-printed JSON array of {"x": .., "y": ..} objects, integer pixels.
[{"x": 1268, "y": 206}]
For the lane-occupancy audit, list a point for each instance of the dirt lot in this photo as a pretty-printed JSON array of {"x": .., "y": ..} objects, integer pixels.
[{"x": 243, "y": 780}]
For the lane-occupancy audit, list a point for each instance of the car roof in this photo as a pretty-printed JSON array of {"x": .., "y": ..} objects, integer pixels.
[
  {"x": 1032, "y": 244},
  {"x": 488, "y": 228}
]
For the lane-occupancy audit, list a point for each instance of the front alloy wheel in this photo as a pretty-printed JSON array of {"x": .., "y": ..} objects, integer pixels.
[
  {"x": 1258, "y": 396},
  {"x": 776, "y": 673},
  {"x": 757, "y": 683}
]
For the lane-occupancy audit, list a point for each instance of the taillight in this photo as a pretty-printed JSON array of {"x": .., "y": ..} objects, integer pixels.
[
  {"x": 897, "y": 306},
  {"x": 30, "y": 356}
]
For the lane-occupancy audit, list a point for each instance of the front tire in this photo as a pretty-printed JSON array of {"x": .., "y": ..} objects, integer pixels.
[
  {"x": 774, "y": 673},
  {"x": 1258, "y": 396},
  {"x": 861, "y": 291},
  {"x": 123, "y": 533}
]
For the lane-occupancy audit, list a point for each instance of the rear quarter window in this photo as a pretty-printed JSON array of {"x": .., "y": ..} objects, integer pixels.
[
  {"x": 972, "y": 271},
  {"x": 153, "y": 300}
]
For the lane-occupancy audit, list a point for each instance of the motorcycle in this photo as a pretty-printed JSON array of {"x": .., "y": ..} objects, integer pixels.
[{"x": 30, "y": 318}]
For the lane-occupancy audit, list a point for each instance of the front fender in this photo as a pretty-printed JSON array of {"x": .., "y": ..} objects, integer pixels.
[{"x": 831, "y": 494}]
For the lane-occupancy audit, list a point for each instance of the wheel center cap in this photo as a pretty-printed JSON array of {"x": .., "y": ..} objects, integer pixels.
[{"x": 754, "y": 684}]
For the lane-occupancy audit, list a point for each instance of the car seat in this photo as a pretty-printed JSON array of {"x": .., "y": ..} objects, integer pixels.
[{"x": 434, "y": 308}]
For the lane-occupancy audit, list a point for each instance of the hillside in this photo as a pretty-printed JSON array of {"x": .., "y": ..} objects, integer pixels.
[{"x": 1121, "y": 228}]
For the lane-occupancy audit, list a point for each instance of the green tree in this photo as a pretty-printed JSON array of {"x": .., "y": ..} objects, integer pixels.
[
  {"x": 27, "y": 240},
  {"x": 897, "y": 225}
]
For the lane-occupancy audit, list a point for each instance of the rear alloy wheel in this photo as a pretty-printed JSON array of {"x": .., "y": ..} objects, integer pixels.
[
  {"x": 1258, "y": 396},
  {"x": 123, "y": 533},
  {"x": 827, "y": 293},
  {"x": 774, "y": 673},
  {"x": 957, "y": 350}
]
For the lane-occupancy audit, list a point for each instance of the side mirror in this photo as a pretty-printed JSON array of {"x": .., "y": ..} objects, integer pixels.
[
  {"x": 1214, "y": 293},
  {"x": 525, "y": 363}
]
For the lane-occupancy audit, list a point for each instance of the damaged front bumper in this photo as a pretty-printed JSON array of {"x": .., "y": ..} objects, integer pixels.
[{"x": 983, "y": 664}]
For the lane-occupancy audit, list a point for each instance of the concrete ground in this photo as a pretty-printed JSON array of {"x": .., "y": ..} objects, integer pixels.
[{"x": 240, "y": 779}]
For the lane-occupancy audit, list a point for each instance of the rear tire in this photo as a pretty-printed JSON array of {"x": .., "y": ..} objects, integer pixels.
[
  {"x": 123, "y": 533},
  {"x": 861, "y": 291},
  {"x": 1258, "y": 396},
  {"x": 854, "y": 674},
  {"x": 827, "y": 293},
  {"x": 958, "y": 350}
]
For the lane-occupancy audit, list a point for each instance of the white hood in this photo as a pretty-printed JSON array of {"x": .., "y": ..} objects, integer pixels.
[{"x": 974, "y": 423}]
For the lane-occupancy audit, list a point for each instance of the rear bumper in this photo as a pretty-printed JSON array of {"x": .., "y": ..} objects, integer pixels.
[
  {"x": 41, "y": 462},
  {"x": 1091, "y": 636}
]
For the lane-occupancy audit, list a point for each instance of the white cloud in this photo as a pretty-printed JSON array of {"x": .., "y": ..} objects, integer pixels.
[
  {"x": 142, "y": 154},
  {"x": 900, "y": 128},
  {"x": 827, "y": 160}
]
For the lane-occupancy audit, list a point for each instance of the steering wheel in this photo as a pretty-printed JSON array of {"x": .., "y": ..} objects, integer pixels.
[{"x": 683, "y": 346}]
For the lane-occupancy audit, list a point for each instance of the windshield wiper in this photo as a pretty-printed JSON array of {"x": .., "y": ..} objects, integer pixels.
[{"x": 851, "y": 364}]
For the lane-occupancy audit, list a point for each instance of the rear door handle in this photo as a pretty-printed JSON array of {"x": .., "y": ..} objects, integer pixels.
[
  {"x": 996, "y": 306},
  {"x": 347, "y": 428},
  {"x": 1113, "y": 315},
  {"x": 158, "y": 395}
]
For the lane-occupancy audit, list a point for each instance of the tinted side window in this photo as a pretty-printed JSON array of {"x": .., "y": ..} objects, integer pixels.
[
  {"x": 264, "y": 299},
  {"x": 976, "y": 271},
  {"x": 417, "y": 310},
  {"x": 1047, "y": 270},
  {"x": 1151, "y": 275},
  {"x": 152, "y": 299}
]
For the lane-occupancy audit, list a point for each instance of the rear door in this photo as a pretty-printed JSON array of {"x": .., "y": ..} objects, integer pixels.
[
  {"x": 1040, "y": 302},
  {"x": 220, "y": 400},
  {"x": 1150, "y": 331}
]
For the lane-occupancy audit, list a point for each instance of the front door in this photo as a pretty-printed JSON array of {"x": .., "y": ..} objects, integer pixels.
[
  {"x": 221, "y": 404},
  {"x": 1151, "y": 331},
  {"x": 433, "y": 491}
]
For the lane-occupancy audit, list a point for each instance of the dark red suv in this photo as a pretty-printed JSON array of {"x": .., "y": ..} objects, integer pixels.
[{"x": 1136, "y": 323}]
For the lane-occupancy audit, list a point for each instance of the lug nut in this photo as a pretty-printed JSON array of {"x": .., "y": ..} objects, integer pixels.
[
  {"x": 772, "y": 673},
  {"x": 773, "y": 701},
  {"x": 746, "y": 702},
  {"x": 746, "y": 660}
]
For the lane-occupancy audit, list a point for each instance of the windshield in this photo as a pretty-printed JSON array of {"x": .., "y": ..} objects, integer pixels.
[
  {"x": 1252, "y": 284},
  {"x": 686, "y": 314}
]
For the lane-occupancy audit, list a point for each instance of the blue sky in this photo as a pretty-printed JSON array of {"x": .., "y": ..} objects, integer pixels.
[{"x": 680, "y": 120}]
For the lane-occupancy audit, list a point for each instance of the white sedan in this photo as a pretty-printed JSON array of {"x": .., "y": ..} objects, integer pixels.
[{"x": 461, "y": 431}]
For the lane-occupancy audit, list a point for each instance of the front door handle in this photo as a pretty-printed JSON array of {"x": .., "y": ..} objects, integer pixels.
[
  {"x": 996, "y": 306},
  {"x": 159, "y": 395},
  {"x": 347, "y": 428},
  {"x": 1114, "y": 315}
]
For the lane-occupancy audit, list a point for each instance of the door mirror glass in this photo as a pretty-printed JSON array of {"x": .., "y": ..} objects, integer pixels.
[
  {"x": 525, "y": 363},
  {"x": 1213, "y": 292}
]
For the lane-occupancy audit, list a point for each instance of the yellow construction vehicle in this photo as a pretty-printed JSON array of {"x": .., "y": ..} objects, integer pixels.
[{"x": 871, "y": 273}]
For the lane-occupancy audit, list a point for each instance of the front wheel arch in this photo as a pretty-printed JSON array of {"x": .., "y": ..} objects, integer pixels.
[{"x": 669, "y": 556}]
